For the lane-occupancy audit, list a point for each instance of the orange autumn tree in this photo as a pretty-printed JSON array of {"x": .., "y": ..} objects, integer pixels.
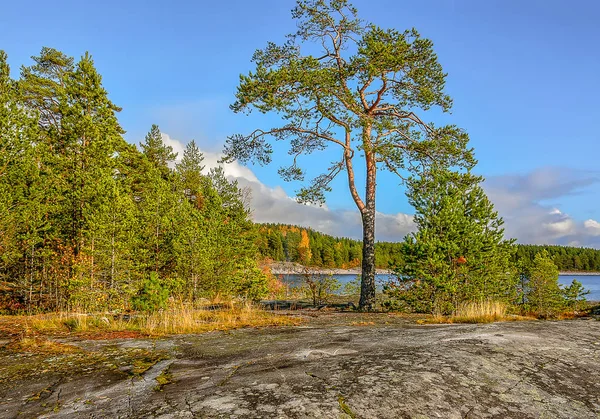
[{"x": 304, "y": 252}]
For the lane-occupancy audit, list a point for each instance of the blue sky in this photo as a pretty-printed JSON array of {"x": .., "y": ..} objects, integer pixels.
[{"x": 523, "y": 75}]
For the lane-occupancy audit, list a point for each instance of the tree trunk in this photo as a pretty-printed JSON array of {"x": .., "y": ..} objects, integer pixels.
[{"x": 367, "y": 286}]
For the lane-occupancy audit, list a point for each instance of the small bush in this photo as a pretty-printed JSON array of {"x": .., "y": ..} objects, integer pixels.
[
  {"x": 320, "y": 288},
  {"x": 574, "y": 295},
  {"x": 352, "y": 287},
  {"x": 152, "y": 296}
]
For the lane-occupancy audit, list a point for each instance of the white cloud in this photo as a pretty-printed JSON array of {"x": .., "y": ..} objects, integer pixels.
[
  {"x": 592, "y": 227},
  {"x": 520, "y": 199},
  {"x": 178, "y": 146},
  {"x": 561, "y": 227},
  {"x": 234, "y": 169}
]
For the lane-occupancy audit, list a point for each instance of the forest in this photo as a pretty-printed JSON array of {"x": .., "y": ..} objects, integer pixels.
[
  {"x": 90, "y": 222},
  {"x": 282, "y": 242}
]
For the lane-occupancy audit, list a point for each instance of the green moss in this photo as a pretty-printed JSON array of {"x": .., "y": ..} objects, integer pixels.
[
  {"x": 163, "y": 379},
  {"x": 345, "y": 408},
  {"x": 17, "y": 366}
]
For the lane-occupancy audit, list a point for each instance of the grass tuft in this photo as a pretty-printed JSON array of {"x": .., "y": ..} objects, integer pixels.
[
  {"x": 183, "y": 319},
  {"x": 42, "y": 346},
  {"x": 345, "y": 408},
  {"x": 476, "y": 312}
]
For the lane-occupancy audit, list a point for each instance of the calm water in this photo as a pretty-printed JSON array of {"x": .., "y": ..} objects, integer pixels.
[{"x": 590, "y": 282}]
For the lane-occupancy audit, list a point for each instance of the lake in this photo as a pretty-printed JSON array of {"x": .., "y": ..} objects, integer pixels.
[{"x": 590, "y": 282}]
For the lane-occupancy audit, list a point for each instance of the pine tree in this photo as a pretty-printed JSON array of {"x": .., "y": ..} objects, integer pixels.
[
  {"x": 230, "y": 249},
  {"x": 190, "y": 172},
  {"x": 459, "y": 252},
  {"x": 543, "y": 294},
  {"x": 157, "y": 151},
  {"x": 22, "y": 190},
  {"x": 43, "y": 86},
  {"x": 191, "y": 243},
  {"x": 157, "y": 202},
  {"x": 92, "y": 135}
]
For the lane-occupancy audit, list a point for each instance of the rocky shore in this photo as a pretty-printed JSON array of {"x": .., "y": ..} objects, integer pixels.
[{"x": 291, "y": 268}]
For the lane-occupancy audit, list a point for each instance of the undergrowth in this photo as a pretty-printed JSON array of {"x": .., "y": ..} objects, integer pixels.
[
  {"x": 477, "y": 312},
  {"x": 177, "y": 319}
]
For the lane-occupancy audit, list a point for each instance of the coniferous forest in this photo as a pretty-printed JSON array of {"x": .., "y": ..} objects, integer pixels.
[
  {"x": 282, "y": 242},
  {"x": 89, "y": 221}
]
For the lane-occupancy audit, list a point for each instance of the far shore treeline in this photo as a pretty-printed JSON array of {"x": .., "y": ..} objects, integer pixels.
[{"x": 290, "y": 243}]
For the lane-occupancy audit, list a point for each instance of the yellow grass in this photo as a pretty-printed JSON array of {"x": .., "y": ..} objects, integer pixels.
[
  {"x": 182, "y": 319},
  {"x": 178, "y": 319},
  {"x": 480, "y": 312},
  {"x": 477, "y": 312},
  {"x": 40, "y": 345}
]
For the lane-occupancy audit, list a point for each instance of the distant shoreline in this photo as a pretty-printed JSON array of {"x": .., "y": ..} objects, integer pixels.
[
  {"x": 579, "y": 273},
  {"x": 291, "y": 268}
]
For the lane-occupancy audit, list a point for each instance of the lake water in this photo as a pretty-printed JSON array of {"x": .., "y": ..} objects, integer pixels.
[{"x": 590, "y": 282}]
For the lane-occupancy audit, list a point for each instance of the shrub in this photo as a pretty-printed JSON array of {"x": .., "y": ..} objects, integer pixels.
[
  {"x": 320, "y": 288},
  {"x": 152, "y": 296},
  {"x": 352, "y": 287},
  {"x": 253, "y": 284},
  {"x": 543, "y": 295},
  {"x": 574, "y": 295}
]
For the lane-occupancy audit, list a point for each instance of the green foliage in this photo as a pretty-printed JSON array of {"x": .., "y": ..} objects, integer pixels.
[
  {"x": 281, "y": 242},
  {"x": 390, "y": 253},
  {"x": 86, "y": 218},
  {"x": 564, "y": 257},
  {"x": 157, "y": 152},
  {"x": 152, "y": 296},
  {"x": 318, "y": 287},
  {"x": 253, "y": 284},
  {"x": 574, "y": 295},
  {"x": 352, "y": 287},
  {"x": 459, "y": 253},
  {"x": 543, "y": 294}
]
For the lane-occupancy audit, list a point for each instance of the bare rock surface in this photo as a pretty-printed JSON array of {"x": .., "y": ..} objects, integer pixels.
[{"x": 332, "y": 368}]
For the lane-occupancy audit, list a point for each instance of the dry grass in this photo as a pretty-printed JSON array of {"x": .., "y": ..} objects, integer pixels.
[
  {"x": 178, "y": 319},
  {"x": 480, "y": 312},
  {"x": 41, "y": 345},
  {"x": 182, "y": 319},
  {"x": 362, "y": 323},
  {"x": 477, "y": 312}
]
